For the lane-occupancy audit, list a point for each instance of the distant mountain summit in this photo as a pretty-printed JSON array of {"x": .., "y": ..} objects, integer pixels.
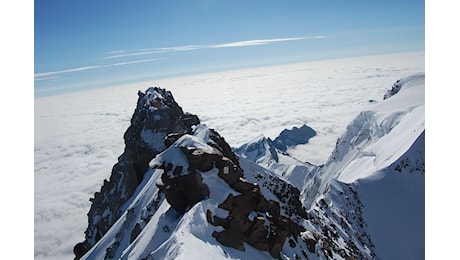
[
  {"x": 262, "y": 147},
  {"x": 293, "y": 137},
  {"x": 179, "y": 191}
]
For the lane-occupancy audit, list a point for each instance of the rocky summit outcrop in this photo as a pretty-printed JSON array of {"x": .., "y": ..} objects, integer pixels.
[{"x": 156, "y": 119}]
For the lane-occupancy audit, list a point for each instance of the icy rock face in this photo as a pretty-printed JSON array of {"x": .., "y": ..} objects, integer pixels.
[
  {"x": 156, "y": 119},
  {"x": 394, "y": 89}
]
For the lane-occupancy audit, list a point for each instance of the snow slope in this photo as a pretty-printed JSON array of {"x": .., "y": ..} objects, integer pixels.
[
  {"x": 376, "y": 138},
  {"x": 394, "y": 206}
]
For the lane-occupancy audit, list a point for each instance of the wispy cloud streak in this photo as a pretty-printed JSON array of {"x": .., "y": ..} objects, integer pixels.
[
  {"x": 45, "y": 75},
  {"x": 137, "y": 52},
  {"x": 254, "y": 42},
  {"x": 54, "y": 78},
  {"x": 147, "y": 51}
]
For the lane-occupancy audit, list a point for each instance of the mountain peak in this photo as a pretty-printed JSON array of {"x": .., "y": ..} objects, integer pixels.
[{"x": 156, "y": 119}]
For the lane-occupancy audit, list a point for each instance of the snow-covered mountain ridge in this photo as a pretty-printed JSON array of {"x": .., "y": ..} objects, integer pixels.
[
  {"x": 377, "y": 137},
  {"x": 196, "y": 178},
  {"x": 190, "y": 196}
]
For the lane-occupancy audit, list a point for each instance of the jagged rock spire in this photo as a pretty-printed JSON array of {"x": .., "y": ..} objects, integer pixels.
[{"x": 157, "y": 118}]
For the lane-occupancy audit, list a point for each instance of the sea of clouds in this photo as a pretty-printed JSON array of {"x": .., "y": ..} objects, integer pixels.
[{"x": 78, "y": 136}]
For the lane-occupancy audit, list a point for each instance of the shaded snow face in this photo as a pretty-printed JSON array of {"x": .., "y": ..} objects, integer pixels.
[
  {"x": 78, "y": 136},
  {"x": 394, "y": 206}
]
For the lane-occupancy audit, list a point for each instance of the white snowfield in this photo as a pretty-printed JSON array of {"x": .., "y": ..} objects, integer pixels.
[
  {"x": 78, "y": 138},
  {"x": 379, "y": 136},
  {"x": 382, "y": 152}
]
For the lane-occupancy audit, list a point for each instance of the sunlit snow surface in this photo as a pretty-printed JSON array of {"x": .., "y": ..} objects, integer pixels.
[{"x": 79, "y": 136}]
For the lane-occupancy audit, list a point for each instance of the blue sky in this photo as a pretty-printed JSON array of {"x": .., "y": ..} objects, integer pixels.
[{"x": 87, "y": 44}]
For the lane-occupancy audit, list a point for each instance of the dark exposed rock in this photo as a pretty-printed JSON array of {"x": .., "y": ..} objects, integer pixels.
[
  {"x": 311, "y": 244},
  {"x": 228, "y": 171},
  {"x": 244, "y": 186},
  {"x": 137, "y": 229},
  {"x": 257, "y": 235},
  {"x": 276, "y": 240},
  {"x": 184, "y": 191},
  {"x": 80, "y": 249},
  {"x": 230, "y": 238},
  {"x": 200, "y": 160}
]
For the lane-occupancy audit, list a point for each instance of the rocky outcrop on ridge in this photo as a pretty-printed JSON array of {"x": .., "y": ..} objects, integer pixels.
[
  {"x": 394, "y": 90},
  {"x": 251, "y": 218},
  {"x": 156, "y": 119}
]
